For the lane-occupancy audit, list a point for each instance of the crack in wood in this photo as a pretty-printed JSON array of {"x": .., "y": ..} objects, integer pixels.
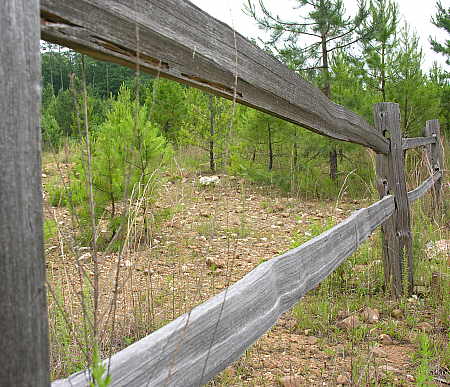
[
  {"x": 52, "y": 20},
  {"x": 129, "y": 52},
  {"x": 214, "y": 85}
]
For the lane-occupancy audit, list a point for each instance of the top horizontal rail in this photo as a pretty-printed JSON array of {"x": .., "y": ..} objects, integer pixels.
[
  {"x": 177, "y": 40},
  {"x": 409, "y": 143},
  {"x": 198, "y": 345}
]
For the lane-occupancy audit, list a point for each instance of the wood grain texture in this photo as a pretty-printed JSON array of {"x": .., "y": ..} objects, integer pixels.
[
  {"x": 397, "y": 238},
  {"x": 423, "y": 188},
  {"x": 198, "y": 345},
  {"x": 415, "y": 142},
  {"x": 435, "y": 157},
  {"x": 179, "y": 41},
  {"x": 23, "y": 318}
]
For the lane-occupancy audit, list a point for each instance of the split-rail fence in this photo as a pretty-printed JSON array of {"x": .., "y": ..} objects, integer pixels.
[{"x": 177, "y": 40}]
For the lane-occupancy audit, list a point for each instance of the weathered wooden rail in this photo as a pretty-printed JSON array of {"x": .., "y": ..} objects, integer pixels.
[{"x": 175, "y": 39}]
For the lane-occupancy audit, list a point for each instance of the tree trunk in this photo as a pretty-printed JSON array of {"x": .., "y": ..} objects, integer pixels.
[
  {"x": 383, "y": 73},
  {"x": 24, "y": 357},
  {"x": 107, "y": 80},
  {"x": 333, "y": 163},
  {"x": 269, "y": 132},
  {"x": 325, "y": 68},
  {"x": 295, "y": 158},
  {"x": 212, "y": 161},
  {"x": 333, "y": 160}
]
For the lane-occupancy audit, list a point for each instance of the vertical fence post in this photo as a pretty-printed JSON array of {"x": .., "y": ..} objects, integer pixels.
[
  {"x": 435, "y": 160},
  {"x": 397, "y": 240},
  {"x": 23, "y": 305}
]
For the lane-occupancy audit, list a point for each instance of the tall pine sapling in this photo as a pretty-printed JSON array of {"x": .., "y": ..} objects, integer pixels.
[
  {"x": 127, "y": 151},
  {"x": 379, "y": 48}
]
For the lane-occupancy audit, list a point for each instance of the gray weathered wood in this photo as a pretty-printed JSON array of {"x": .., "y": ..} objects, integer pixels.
[
  {"x": 435, "y": 160},
  {"x": 409, "y": 143},
  {"x": 195, "y": 347},
  {"x": 179, "y": 41},
  {"x": 23, "y": 307},
  {"x": 397, "y": 240},
  {"x": 424, "y": 187}
]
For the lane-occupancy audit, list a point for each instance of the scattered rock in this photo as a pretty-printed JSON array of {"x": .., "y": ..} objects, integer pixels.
[
  {"x": 285, "y": 215},
  {"x": 85, "y": 257},
  {"x": 378, "y": 352},
  {"x": 425, "y": 327},
  {"x": 214, "y": 264},
  {"x": 410, "y": 378},
  {"x": 388, "y": 368},
  {"x": 308, "y": 332},
  {"x": 397, "y": 314},
  {"x": 312, "y": 340},
  {"x": 291, "y": 381},
  {"x": 370, "y": 315},
  {"x": 208, "y": 180},
  {"x": 349, "y": 323},
  {"x": 341, "y": 379},
  {"x": 127, "y": 263},
  {"x": 279, "y": 223},
  {"x": 342, "y": 314},
  {"x": 385, "y": 339},
  {"x": 278, "y": 208}
]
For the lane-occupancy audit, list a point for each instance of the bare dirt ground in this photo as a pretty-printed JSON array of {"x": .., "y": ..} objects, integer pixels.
[{"x": 207, "y": 238}]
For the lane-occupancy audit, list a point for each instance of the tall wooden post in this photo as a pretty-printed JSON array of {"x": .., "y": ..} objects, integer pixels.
[
  {"x": 435, "y": 160},
  {"x": 397, "y": 240},
  {"x": 23, "y": 306}
]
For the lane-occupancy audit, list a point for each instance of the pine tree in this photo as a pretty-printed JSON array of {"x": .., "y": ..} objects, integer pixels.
[
  {"x": 127, "y": 151},
  {"x": 442, "y": 20},
  {"x": 167, "y": 106},
  {"x": 379, "y": 47},
  {"x": 207, "y": 123},
  {"x": 326, "y": 25},
  {"x": 417, "y": 96}
]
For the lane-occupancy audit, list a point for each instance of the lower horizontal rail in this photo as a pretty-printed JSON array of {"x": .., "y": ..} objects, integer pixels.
[
  {"x": 198, "y": 345},
  {"x": 409, "y": 143},
  {"x": 424, "y": 187}
]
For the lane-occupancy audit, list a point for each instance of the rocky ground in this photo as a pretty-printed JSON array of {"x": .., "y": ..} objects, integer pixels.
[{"x": 207, "y": 237}]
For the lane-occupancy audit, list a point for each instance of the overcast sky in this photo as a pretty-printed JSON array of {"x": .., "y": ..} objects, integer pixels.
[{"x": 416, "y": 12}]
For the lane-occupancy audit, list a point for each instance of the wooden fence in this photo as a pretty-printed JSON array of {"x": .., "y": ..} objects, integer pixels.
[{"x": 175, "y": 39}]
